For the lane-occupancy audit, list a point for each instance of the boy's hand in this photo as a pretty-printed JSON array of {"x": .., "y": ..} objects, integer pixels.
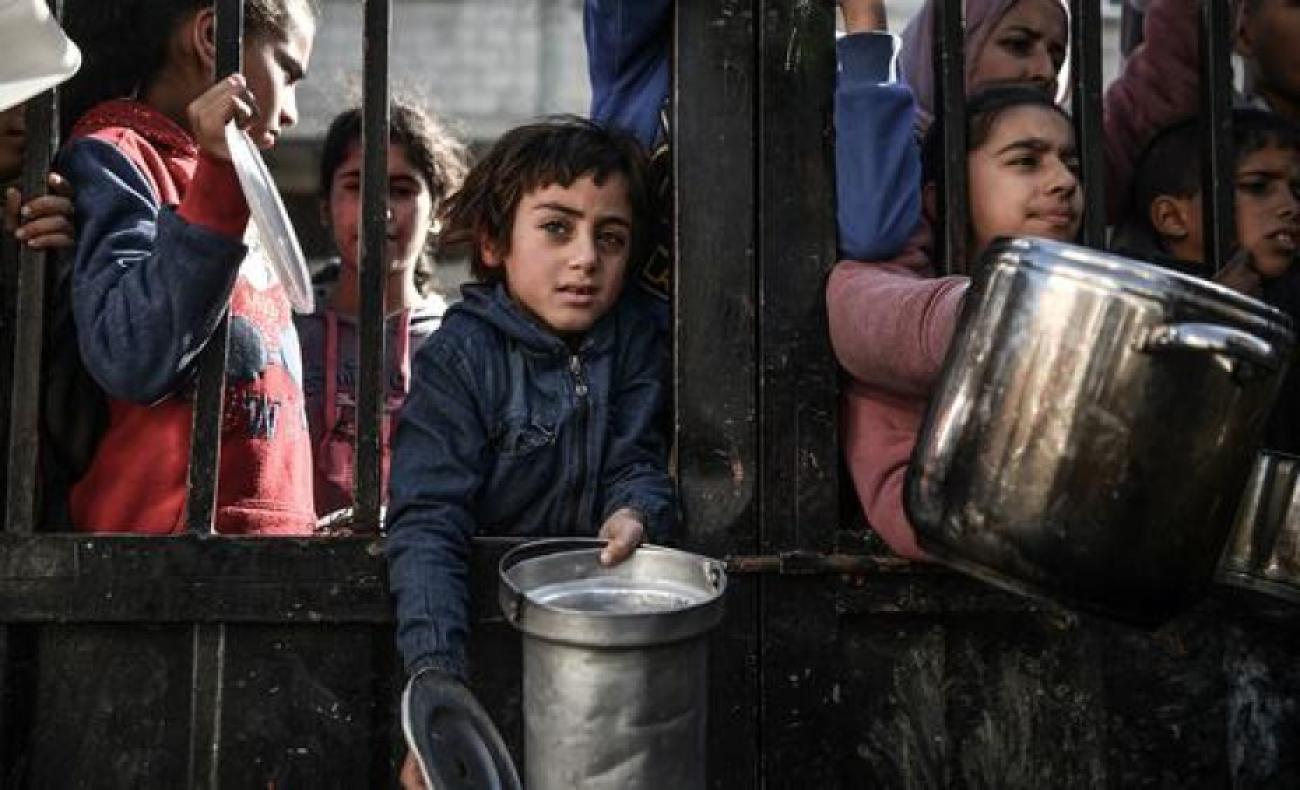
[
  {"x": 44, "y": 223},
  {"x": 624, "y": 529},
  {"x": 1240, "y": 274},
  {"x": 864, "y": 16},
  {"x": 227, "y": 100}
]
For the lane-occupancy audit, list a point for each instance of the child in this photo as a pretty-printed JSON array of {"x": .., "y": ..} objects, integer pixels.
[
  {"x": 1267, "y": 32},
  {"x": 159, "y": 261},
  {"x": 1165, "y": 224},
  {"x": 535, "y": 405},
  {"x": 425, "y": 164},
  {"x": 1164, "y": 221},
  {"x": 891, "y": 322},
  {"x": 44, "y": 222}
]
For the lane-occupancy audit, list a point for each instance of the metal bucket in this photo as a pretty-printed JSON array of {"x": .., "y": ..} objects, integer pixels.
[{"x": 615, "y": 663}]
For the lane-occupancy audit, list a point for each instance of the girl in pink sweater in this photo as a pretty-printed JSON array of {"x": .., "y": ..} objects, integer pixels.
[{"x": 891, "y": 322}]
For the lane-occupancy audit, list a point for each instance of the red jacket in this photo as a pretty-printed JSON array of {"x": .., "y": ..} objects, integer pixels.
[{"x": 149, "y": 285}]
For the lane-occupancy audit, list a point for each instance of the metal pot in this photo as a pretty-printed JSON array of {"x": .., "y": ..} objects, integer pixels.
[
  {"x": 1092, "y": 431},
  {"x": 1263, "y": 552},
  {"x": 615, "y": 663}
]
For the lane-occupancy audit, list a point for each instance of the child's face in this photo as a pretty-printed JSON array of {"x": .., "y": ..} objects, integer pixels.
[
  {"x": 1026, "y": 46},
  {"x": 410, "y": 209},
  {"x": 12, "y": 137},
  {"x": 1268, "y": 208},
  {"x": 1267, "y": 38},
  {"x": 568, "y": 251},
  {"x": 273, "y": 68},
  {"x": 1023, "y": 179}
]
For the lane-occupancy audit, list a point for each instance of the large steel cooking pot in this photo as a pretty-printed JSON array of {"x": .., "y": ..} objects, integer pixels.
[
  {"x": 1263, "y": 552},
  {"x": 1092, "y": 431}
]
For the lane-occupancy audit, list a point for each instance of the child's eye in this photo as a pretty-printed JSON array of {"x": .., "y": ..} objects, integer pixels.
[
  {"x": 611, "y": 242},
  {"x": 1024, "y": 162},
  {"x": 1253, "y": 186},
  {"x": 555, "y": 227},
  {"x": 1021, "y": 47}
]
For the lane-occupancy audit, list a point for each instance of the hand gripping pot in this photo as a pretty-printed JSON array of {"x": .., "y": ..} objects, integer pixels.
[
  {"x": 1093, "y": 428},
  {"x": 615, "y": 663}
]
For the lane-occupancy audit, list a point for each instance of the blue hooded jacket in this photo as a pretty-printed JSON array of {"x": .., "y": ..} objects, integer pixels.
[{"x": 509, "y": 431}]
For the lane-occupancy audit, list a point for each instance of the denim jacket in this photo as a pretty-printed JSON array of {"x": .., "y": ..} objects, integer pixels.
[{"x": 509, "y": 431}]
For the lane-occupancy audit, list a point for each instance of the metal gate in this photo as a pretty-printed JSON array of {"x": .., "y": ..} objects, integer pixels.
[{"x": 205, "y": 661}]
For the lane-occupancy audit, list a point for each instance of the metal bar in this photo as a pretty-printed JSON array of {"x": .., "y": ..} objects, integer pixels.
[
  {"x": 22, "y": 472},
  {"x": 367, "y": 481},
  {"x": 1218, "y": 158},
  {"x": 1085, "y": 71},
  {"x": 205, "y": 441},
  {"x": 206, "y": 684},
  {"x": 813, "y": 563},
  {"x": 950, "y": 106}
]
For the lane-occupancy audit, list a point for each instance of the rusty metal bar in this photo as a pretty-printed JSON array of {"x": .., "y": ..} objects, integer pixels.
[
  {"x": 950, "y": 106},
  {"x": 813, "y": 563},
  {"x": 1218, "y": 159},
  {"x": 23, "y": 474},
  {"x": 367, "y": 480},
  {"x": 205, "y": 438},
  {"x": 1085, "y": 70}
]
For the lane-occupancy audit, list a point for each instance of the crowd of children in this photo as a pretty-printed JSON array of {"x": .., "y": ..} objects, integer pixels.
[
  {"x": 534, "y": 406},
  {"x": 892, "y": 319}
]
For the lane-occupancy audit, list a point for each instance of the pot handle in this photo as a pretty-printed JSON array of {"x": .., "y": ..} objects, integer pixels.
[{"x": 1214, "y": 339}]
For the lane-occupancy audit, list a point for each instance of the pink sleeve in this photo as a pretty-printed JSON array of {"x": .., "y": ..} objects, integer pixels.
[
  {"x": 890, "y": 323},
  {"x": 1158, "y": 87},
  {"x": 879, "y": 431}
]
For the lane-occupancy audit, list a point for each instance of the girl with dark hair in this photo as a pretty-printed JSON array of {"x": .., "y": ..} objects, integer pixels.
[
  {"x": 891, "y": 321},
  {"x": 425, "y": 164},
  {"x": 161, "y": 259}
]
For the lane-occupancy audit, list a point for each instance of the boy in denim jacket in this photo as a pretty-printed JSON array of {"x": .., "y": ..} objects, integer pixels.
[{"x": 533, "y": 409}]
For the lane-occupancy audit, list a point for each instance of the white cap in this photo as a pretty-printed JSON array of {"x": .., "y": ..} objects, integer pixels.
[{"x": 37, "y": 53}]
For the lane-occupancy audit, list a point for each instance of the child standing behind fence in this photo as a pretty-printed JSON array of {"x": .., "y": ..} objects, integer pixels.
[
  {"x": 1165, "y": 224},
  {"x": 534, "y": 407},
  {"x": 160, "y": 258},
  {"x": 891, "y": 321},
  {"x": 425, "y": 164}
]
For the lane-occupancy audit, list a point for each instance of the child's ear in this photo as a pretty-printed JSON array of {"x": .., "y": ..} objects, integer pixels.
[
  {"x": 324, "y": 208},
  {"x": 487, "y": 252},
  {"x": 1170, "y": 217},
  {"x": 203, "y": 32},
  {"x": 930, "y": 202}
]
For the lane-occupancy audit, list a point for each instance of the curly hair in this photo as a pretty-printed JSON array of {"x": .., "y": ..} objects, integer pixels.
[{"x": 555, "y": 150}]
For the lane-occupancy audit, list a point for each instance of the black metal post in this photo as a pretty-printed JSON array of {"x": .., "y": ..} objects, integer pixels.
[
  {"x": 715, "y": 327},
  {"x": 205, "y": 438},
  {"x": 1218, "y": 158},
  {"x": 28, "y": 327},
  {"x": 367, "y": 482},
  {"x": 23, "y": 474},
  {"x": 950, "y": 106},
  {"x": 1085, "y": 70}
]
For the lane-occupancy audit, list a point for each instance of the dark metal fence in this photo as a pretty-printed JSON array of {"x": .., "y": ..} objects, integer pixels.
[{"x": 207, "y": 661}]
